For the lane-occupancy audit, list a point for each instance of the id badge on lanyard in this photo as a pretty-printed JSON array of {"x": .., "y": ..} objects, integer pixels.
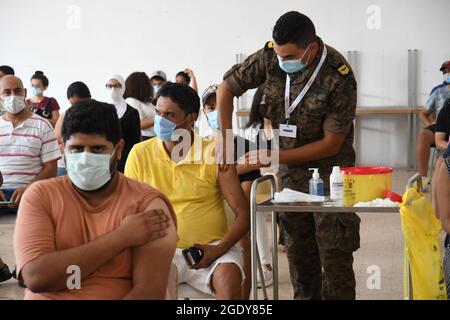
[{"x": 289, "y": 130}]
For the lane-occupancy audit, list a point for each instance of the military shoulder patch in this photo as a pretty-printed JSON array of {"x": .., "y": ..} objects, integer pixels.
[
  {"x": 269, "y": 45},
  {"x": 344, "y": 70}
]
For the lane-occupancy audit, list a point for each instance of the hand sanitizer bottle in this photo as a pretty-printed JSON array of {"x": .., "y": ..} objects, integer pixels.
[
  {"x": 336, "y": 184},
  {"x": 316, "y": 184}
]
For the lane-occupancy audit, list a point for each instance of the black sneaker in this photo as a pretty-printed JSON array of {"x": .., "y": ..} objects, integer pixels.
[{"x": 5, "y": 274}]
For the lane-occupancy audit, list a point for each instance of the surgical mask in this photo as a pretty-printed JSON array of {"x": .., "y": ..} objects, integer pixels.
[
  {"x": 115, "y": 95},
  {"x": 213, "y": 120},
  {"x": 156, "y": 89},
  {"x": 447, "y": 77},
  {"x": 164, "y": 128},
  {"x": 36, "y": 92},
  {"x": 88, "y": 171},
  {"x": 292, "y": 66},
  {"x": 13, "y": 104}
]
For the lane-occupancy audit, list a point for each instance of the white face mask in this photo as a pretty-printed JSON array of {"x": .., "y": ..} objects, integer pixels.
[
  {"x": 88, "y": 171},
  {"x": 13, "y": 104},
  {"x": 115, "y": 95}
]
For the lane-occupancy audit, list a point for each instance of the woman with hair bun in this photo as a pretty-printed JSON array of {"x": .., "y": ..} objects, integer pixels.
[{"x": 46, "y": 107}]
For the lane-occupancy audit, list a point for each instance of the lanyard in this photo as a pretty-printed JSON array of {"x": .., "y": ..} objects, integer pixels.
[{"x": 289, "y": 109}]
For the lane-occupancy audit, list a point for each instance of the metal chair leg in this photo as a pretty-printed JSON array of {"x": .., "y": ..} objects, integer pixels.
[
  {"x": 433, "y": 163},
  {"x": 261, "y": 274}
]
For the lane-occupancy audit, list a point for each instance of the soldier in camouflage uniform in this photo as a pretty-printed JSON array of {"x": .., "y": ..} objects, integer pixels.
[{"x": 324, "y": 139}]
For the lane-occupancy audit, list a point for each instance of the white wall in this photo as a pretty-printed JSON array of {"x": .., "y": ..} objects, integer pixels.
[{"x": 142, "y": 35}]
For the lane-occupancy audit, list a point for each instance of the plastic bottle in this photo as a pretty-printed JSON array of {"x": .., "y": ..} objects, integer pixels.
[
  {"x": 316, "y": 183},
  {"x": 336, "y": 184}
]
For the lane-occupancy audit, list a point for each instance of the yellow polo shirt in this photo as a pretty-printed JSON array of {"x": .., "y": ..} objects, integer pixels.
[{"x": 191, "y": 186}]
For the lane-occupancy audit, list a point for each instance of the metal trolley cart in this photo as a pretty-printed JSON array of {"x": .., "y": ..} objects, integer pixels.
[{"x": 297, "y": 208}]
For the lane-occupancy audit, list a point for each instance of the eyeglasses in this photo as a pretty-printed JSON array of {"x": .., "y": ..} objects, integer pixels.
[{"x": 113, "y": 86}]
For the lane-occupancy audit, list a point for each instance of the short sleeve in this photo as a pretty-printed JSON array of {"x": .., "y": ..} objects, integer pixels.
[
  {"x": 49, "y": 149},
  {"x": 132, "y": 166},
  {"x": 342, "y": 107},
  {"x": 34, "y": 233},
  {"x": 430, "y": 105},
  {"x": 54, "y": 104},
  {"x": 248, "y": 75}
]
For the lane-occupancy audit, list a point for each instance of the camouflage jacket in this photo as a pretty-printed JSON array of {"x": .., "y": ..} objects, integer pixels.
[{"x": 330, "y": 105}]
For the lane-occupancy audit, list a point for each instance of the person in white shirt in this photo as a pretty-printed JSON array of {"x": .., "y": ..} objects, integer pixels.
[
  {"x": 28, "y": 147},
  {"x": 139, "y": 94}
]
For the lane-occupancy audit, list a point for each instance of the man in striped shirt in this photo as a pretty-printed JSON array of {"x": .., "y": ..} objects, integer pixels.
[{"x": 28, "y": 148}]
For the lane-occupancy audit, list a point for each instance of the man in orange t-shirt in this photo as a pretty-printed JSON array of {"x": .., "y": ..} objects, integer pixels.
[{"x": 94, "y": 234}]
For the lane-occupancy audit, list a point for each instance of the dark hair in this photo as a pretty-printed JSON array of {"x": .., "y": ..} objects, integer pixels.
[
  {"x": 7, "y": 70},
  {"x": 78, "y": 89},
  {"x": 294, "y": 27},
  {"x": 138, "y": 86},
  {"x": 39, "y": 75},
  {"x": 92, "y": 117},
  {"x": 184, "y": 96},
  {"x": 185, "y": 76},
  {"x": 255, "y": 116}
]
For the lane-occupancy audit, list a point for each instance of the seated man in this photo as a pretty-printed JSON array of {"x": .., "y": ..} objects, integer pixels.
[
  {"x": 247, "y": 173},
  {"x": 182, "y": 165},
  {"x": 157, "y": 79},
  {"x": 28, "y": 148},
  {"x": 94, "y": 220}
]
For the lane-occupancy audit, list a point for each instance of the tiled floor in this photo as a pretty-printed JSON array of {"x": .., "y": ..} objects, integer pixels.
[{"x": 381, "y": 249}]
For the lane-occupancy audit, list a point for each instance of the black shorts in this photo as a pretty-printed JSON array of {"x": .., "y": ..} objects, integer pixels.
[{"x": 431, "y": 128}]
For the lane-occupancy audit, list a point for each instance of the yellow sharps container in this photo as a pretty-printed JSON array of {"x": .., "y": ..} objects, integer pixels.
[{"x": 365, "y": 184}]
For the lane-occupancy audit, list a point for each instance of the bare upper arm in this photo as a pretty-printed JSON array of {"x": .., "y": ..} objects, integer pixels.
[
  {"x": 440, "y": 139},
  {"x": 152, "y": 261},
  {"x": 231, "y": 188},
  {"x": 440, "y": 136},
  {"x": 335, "y": 140},
  {"x": 58, "y": 128}
]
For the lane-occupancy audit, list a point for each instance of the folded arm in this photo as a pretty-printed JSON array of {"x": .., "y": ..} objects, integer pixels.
[{"x": 152, "y": 261}]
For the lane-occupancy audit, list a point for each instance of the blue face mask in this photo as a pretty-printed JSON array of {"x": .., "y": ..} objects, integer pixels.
[
  {"x": 292, "y": 66},
  {"x": 447, "y": 77},
  {"x": 213, "y": 120},
  {"x": 156, "y": 89},
  {"x": 36, "y": 92},
  {"x": 164, "y": 128}
]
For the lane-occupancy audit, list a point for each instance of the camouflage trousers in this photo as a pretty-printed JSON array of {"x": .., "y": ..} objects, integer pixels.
[{"x": 320, "y": 250}]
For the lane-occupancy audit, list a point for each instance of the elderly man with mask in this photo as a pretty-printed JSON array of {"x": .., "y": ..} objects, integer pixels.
[{"x": 28, "y": 148}]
